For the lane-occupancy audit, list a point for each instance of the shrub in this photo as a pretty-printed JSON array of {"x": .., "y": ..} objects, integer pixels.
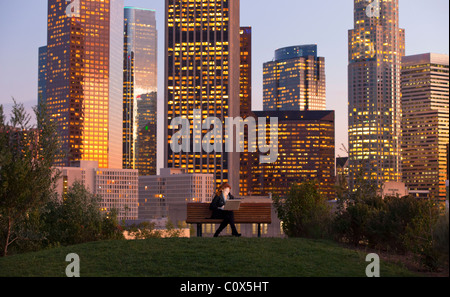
[
  {"x": 304, "y": 212},
  {"x": 77, "y": 219}
]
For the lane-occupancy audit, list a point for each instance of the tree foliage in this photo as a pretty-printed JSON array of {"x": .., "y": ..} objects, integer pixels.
[
  {"x": 27, "y": 177},
  {"x": 77, "y": 219},
  {"x": 304, "y": 212},
  {"x": 395, "y": 224}
]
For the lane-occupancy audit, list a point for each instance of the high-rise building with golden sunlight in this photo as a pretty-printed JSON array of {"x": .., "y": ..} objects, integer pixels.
[
  {"x": 85, "y": 79},
  {"x": 376, "y": 46}
]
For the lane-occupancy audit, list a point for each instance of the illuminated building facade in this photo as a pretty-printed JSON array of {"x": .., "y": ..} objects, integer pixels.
[
  {"x": 306, "y": 152},
  {"x": 118, "y": 188},
  {"x": 246, "y": 71},
  {"x": 42, "y": 75},
  {"x": 246, "y": 105},
  {"x": 342, "y": 171},
  {"x": 202, "y": 72},
  {"x": 376, "y": 46},
  {"x": 295, "y": 80},
  {"x": 166, "y": 195},
  {"x": 425, "y": 124},
  {"x": 140, "y": 90},
  {"x": 85, "y": 79}
]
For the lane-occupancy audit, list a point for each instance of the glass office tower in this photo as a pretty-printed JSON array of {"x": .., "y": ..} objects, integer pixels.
[
  {"x": 376, "y": 46},
  {"x": 202, "y": 72},
  {"x": 305, "y": 152},
  {"x": 85, "y": 78},
  {"x": 295, "y": 80},
  {"x": 140, "y": 90}
]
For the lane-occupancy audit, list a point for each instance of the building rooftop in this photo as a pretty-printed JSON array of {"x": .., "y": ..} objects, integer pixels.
[{"x": 296, "y": 51}]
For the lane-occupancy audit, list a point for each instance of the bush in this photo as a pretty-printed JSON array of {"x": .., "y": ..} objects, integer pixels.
[
  {"x": 304, "y": 212},
  {"x": 78, "y": 219},
  {"x": 441, "y": 235},
  {"x": 441, "y": 238}
]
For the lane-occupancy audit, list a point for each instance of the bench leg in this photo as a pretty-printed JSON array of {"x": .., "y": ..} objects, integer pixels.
[
  {"x": 259, "y": 230},
  {"x": 199, "y": 230}
]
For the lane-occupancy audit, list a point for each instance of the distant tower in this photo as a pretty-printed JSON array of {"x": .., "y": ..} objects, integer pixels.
[
  {"x": 140, "y": 90},
  {"x": 42, "y": 75},
  {"x": 246, "y": 158},
  {"x": 376, "y": 46},
  {"x": 295, "y": 80}
]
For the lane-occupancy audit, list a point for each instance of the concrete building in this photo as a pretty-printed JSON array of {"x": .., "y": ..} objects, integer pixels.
[
  {"x": 164, "y": 198},
  {"x": 166, "y": 195},
  {"x": 118, "y": 188},
  {"x": 425, "y": 123}
]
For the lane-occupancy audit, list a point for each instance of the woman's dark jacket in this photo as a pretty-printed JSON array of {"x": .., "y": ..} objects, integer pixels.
[{"x": 217, "y": 202}]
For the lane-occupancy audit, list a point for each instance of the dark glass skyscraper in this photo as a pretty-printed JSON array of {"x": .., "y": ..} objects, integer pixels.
[
  {"x": 246, "y": 106},
  {"x": 140, "y": 90},
  {"x": 295, "y": 80},
  {"x": 305, "y": 152},
  {"x": 202, "y": 72},
  {"x": 298, "y": 51}
]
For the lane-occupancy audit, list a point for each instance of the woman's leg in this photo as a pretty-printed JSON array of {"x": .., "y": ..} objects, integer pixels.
[{"x": 228, "y": 219}]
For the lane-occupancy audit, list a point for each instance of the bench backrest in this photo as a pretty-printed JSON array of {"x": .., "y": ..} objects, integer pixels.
[{"x": 248, "y": 213}]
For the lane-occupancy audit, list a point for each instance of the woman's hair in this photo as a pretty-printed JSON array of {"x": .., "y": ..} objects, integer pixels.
[{"x": 221, "y": 188}]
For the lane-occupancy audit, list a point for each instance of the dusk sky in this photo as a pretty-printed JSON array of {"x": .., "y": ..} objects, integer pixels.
[{"x": 275, "y": 24}]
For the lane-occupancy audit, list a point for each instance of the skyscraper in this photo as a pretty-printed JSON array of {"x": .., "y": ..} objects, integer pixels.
[
  {"x": 376, "y": 46},
  {"x": 295, "y": 80},
  {"x": 246, "y": 71},
  {"x": 85, "y": 79},
  {"x": 42, "y": 75},
  {"x": 246, "y": 157},
  {"x": 305, "y": 152},
  {"x": 140, "y": 90},
  {"x": 202, "y": 73},
  {"x": 425, "y": 124}
]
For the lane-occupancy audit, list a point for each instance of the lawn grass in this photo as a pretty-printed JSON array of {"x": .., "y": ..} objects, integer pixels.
[{"x": 199, "y": 257}]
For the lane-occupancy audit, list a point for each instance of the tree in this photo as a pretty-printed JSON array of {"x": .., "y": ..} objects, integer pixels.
[
  {"x": 355, "y": 208},
  {"x": 304, "y": 212},
  {"x": 27, "y": 177}
]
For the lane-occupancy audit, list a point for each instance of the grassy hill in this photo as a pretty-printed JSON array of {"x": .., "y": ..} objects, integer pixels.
[{"x": 200, "y": 257}]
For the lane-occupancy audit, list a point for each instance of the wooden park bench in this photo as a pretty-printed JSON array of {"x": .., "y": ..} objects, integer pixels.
[{"x": 248, "y": 213}]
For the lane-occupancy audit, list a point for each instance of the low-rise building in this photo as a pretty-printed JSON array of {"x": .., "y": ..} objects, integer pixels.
[{"x": 118, "y": 188}]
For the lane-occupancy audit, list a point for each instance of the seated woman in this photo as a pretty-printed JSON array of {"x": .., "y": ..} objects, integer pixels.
[{"x": 217, "y": 206}]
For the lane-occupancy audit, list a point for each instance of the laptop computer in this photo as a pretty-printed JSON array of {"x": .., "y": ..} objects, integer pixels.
[{"x": 232, "y": 205}]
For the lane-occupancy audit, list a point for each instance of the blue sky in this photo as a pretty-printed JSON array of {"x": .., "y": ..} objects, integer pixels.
[{"x": 275, "y": 24}]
